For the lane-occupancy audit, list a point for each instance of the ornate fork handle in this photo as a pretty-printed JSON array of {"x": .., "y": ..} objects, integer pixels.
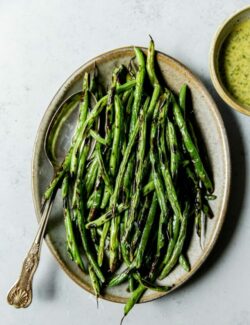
[{"x": 20, "y": 295}]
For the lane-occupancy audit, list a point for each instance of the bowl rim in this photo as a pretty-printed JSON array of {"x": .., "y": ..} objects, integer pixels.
[
  {"x": 89, "y": 65},
  {"x": 226, "y": 97}
]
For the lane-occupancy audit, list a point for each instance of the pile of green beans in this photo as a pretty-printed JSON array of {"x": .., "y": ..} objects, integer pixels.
[{"x": 134, "y": 182}]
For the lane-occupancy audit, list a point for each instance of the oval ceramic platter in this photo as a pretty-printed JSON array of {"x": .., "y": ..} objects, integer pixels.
[{"x": 214, "y": 136}]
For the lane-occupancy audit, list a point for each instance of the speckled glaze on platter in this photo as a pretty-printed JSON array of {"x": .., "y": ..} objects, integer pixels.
[{"x": 214, "y": 135}]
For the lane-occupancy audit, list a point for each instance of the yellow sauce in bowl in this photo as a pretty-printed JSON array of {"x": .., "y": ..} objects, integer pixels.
[{"x": 234, "y": 62}]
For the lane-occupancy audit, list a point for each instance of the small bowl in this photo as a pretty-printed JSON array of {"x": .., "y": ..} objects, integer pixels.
[{"x": 219, "y": 38}]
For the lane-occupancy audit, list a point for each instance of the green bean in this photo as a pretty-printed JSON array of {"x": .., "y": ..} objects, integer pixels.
[
  {"x": 130, "y": 104},
  {"x": 71, "y": 241},
  {"x": 85, "y": 242},
  {"x": 131, "y": 283},
  {"x": 100, "y": 91},
  {"x": 80, "y": 170},
  {"x": 83, "y": 130},
  {"x": 96, "y": 201},
  {"x": 134, "y": 298},
  {"x": 95, "y": 197},
  {"x": 124, "y": 130},
  {"x": 178, "y": 247},
  {"x": 137, "y": 232},
  {"x": 191, "y": 148},
  {"x": 182, "y": 99},
  {"x": 124, "y": 161},
  {"x": 150, "y": 285},
  {"x": 114, "y": 242},
  {"x": 103, "y": 171},
  {"x": 57, "y": 180},
  {"x": 125, "y": 96},
  {"x": 79, "y": 217},
  {"x": 191, "y": 175},
  {"x": 94, "y": 281},
  {"x": 175, "y": 157},
  {"x": 102, "y": 243},
  {"x": 97, "y": 137},
  {"x": 129, "y": 170},
  {"x": 65, "y": 187},
  {"x": 119, "y": 278},
  {"x": 94, "y": 81},
  {"x": 106, "y": 217},
  {"x": 151, "y": 63},
  {"x": 79, "y": 204},
  {"x": 140, "y": 76},
  {"x": 146, "y": 232},
  {"x": 70, "y": 236},
  {"x": 108, "y": 127},
  {"x": 199, "y": 197},
  {"x": 114, "y": 159},
  {"x": 82, "y": 118},
  {"x": 110, "y": 103},
  {"x": 198, "y": 211},
  {"x": 159, "y": 188},
  {"x": 182, "y": 103},
  {"x": 132, "y": 68},
  {"x": 210, "y": 197},
  {"x": 184, "y": 263},
  {"x": 127, "y": 181},
  {"x": 171, "y": 192},
  {"x": 153, "y": 78},
  {"x": 153, "y": 101},
  {"x": 84, "y": 105},
  {"x": 148, "y": 188},
  {"x": 105, "y": 199},
  {"x": 90, "y": 177},
  {"x": 160, "y": 237},
  {"x": 139, "y": 173},
  {"x": 71, "y": 157},
  {"x": 172, "y": 241},
  {"x": 170, "y": 229},
  {"x": 124, "y": 246},
  {"x": 124, "y": 87},
  {"x": 105, "y": 228},
  {"x": 154, "y": 160},
  {"x": 99, "y": 231},
  {"x": 89, "y": 122}
]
